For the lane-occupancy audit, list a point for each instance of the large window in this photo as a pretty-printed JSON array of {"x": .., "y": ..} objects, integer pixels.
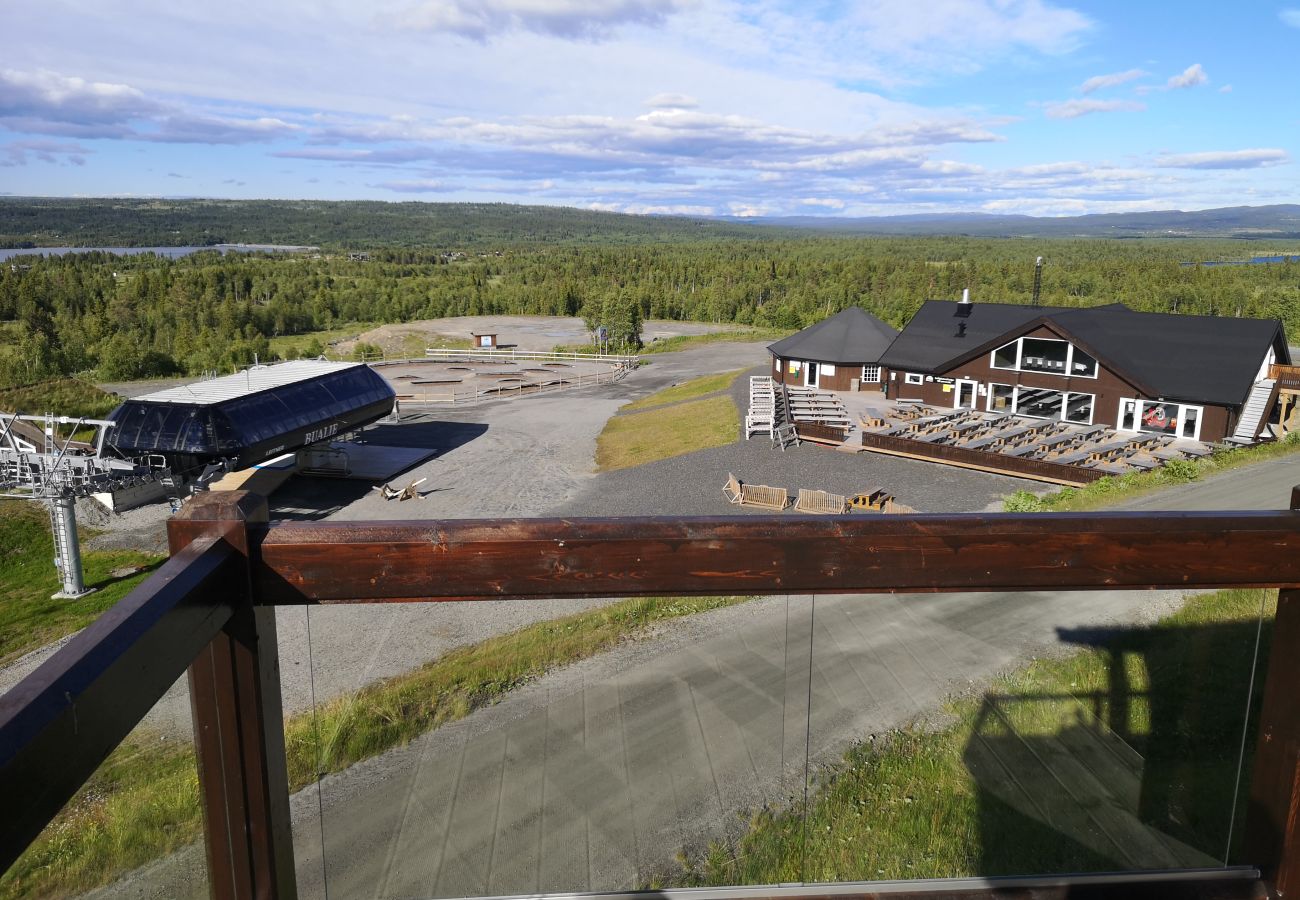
[
  {"x": 1160, "y": 417},
  {"x": 871, "y": 374},
  {"x": 1002, "y": 398},
  {"x": 1042, "y": 403},
  {"x": 1050, "y": 355}
]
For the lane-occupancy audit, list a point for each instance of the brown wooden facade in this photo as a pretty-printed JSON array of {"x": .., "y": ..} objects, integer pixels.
[
  {"x": 841, "y": 377},
  {"x": 1108, "y": 387}
]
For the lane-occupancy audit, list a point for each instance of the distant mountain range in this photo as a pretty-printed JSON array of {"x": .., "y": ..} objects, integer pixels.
[
  {"x": 1279, "y": 221},
  {"x": 367, "y": 224}
]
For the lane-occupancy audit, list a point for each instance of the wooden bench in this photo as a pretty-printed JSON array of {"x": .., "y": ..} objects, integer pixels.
[
  {"x": 764, "y": 496},
  {"x": 821, "y": 503},
  {"x": 732, "y": 489}
]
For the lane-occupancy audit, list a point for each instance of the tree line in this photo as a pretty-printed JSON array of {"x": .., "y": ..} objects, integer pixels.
[{"x": 144, "y": 316}]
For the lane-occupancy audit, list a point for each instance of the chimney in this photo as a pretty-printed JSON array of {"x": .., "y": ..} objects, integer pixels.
[{"x": 965, "y": 295}]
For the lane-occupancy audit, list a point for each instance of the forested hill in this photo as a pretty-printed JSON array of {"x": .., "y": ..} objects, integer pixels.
[
  {"x": 352, "y": 225},
  {"x": 145, "y": 316},
  {"x": 365, "y": 225}
]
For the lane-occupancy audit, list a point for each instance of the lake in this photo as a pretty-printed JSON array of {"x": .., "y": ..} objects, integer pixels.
[
  {"x": 1253, "y": 261},
  {"x": 170, "y": 252}
]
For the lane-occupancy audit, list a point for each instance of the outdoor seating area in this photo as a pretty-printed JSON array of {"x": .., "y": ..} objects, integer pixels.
[
  {"x": 817, "y": 407},
  {"x": 1094, "y": 447},
  {"x": 817, "y": 502}
]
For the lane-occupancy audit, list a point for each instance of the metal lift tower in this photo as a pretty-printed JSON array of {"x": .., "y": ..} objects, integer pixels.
[{"x": 36, "y": 464}]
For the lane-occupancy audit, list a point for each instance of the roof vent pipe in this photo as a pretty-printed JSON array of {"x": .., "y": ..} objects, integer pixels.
[{"x": 965, "y": 295}]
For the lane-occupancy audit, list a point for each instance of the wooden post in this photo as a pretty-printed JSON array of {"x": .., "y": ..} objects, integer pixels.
[
  {"x": 238, "y": 720},
  {"x": 1272, "y": 840}
]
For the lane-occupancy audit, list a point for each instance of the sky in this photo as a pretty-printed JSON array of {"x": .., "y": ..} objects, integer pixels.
[{"x": 697, "y": 107}]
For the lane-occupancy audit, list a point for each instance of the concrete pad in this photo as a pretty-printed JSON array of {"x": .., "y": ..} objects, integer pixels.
[{"x": 377, "y": 462}]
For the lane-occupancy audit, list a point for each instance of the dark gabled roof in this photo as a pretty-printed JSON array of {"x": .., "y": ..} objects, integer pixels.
[
  {"x": 1210, "y": 359},
  {"x": 850, "y": 336},
  {"x": 1207, "y": 359},
  {"x": 934, "y": 337}
]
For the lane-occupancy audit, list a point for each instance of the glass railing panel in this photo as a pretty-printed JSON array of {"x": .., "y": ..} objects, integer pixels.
[
  {"x": 594, "y": 751},
  {"x": 1028, "y": 733},
  {"x": 135, "y": 828}
]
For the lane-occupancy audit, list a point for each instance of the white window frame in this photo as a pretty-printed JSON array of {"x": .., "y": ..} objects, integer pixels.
[
  {"x": 913, "y": 378},
  {"x": 993, "y": 358},
  {"x": 871, "y": 374},
  {"x": 988, "y": 404},
  {"x": 1092, "y": 410},
  {"x": 974, "y": 396},
  {"x": 1020, "y": 359},
  {"x": 1141, "y": 407}
]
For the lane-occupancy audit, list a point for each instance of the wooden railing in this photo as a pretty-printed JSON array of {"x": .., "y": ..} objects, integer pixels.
[
  {"x": 211, "y": 609},
  {"x": 1287, "y": 377}
]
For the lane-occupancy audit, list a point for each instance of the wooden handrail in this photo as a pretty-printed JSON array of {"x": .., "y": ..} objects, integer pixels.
[
  {"x": 58, "y": 724},
  {"x": 212, "y": 607},
  {"x": 325, "y": 562},
  {"x": 1285, "y": 376}
]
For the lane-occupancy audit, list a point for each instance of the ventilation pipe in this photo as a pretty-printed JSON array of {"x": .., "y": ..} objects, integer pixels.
[{"x": 965, "y": 295}]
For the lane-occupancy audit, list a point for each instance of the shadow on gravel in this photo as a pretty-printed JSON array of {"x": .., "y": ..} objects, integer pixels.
[{"x": 436, "y": 435}]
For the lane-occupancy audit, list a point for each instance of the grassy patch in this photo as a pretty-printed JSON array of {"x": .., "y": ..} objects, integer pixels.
[
  {"x": 143, "y": 802},
  {"x": 670, "y": 431},
  {"x": 291, "y": 346},
  {"x": 926, "y": 803},
  {"x": 1118, "y": 488},
  {"x": 64, "y": 396},
  {"x": 28, "y": 617},
  {"x": 392, "y": 712},
  {"x": 687, "y": 390},
  {"x": 739, "y": 335}
]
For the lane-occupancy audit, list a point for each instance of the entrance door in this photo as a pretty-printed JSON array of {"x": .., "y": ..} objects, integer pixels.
[
  {"x": 965, "y": 395},
  {"x": 811, "y": 369}
]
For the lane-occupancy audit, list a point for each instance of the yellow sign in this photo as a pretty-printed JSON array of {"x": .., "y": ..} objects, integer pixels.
[{"x": 947, "y": 388}]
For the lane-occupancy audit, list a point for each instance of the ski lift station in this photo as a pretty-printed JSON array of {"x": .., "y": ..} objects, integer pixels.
[{"x": 252, "y": 416}]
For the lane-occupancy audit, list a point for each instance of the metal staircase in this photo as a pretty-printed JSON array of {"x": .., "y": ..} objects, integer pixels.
[{"x": 1252, "y": 414}]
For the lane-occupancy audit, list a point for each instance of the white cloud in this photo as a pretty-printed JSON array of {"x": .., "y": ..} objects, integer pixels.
[
  {"x": 827, "y": 202},
  {"x": 1192, "y": 76},
  {"x": 672, "y": 101},
  {"x": 1072, "y": 109},
  {"x": 1225, "y": 159},
  {"x": 44, "y": 102},
  {"x": 49, "y": 103},
  {"x": 1290, "y": 17},
  {"x": 1226, "y": 89},
  {"x": 1097, "y": 82},
  {"x": 482, "y": 20},
  {"x": 19, "y": 153},
  {"x": 415, "y": 186}
]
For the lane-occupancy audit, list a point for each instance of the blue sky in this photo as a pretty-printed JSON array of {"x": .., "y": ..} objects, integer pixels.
[{"x": 711, "y": 107}]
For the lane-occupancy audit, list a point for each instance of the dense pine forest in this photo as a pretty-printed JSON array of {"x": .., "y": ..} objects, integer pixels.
[{"x": 142, "y": 316}]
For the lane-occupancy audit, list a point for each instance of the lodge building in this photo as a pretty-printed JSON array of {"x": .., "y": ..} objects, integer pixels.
[
  {"x": 841, "y": 353},
  {"x": 1199, "y": 377}
]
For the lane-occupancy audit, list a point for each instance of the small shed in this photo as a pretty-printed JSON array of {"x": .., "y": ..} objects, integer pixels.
[
  {"x": 841, "y": 353},
  {"x": 485, "y": 341}
]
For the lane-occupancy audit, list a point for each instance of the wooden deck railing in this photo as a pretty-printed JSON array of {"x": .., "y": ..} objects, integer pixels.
[
  {"x": 210, "y": 609},
  {"x": 1287, "y": 377}
]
